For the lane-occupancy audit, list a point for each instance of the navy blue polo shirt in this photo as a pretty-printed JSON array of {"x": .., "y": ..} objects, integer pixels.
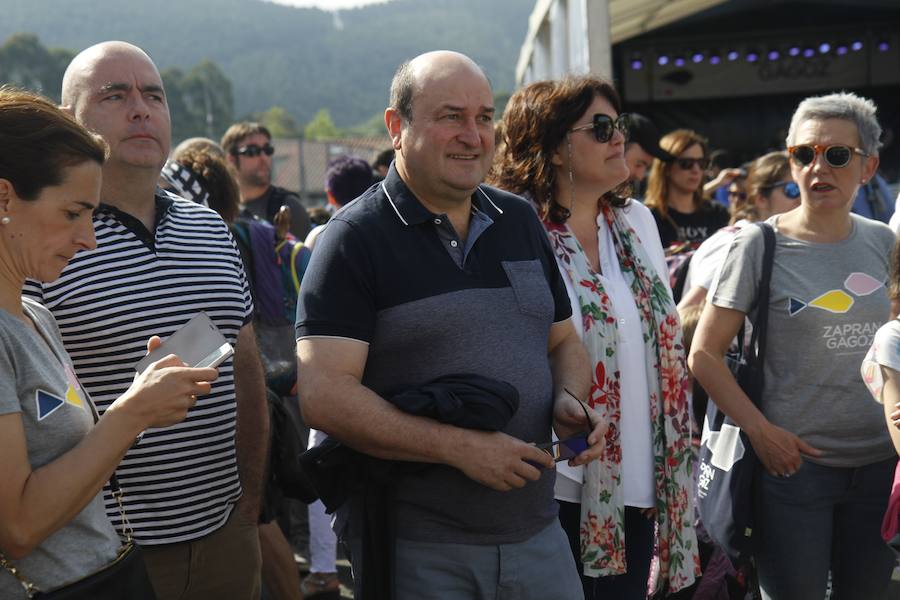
[{"x": 390, "y": 273}]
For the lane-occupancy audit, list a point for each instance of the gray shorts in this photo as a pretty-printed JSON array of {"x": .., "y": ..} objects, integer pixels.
[{"x": 539, "y": 568}]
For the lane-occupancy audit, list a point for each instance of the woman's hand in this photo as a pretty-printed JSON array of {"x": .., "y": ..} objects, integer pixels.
[
  {"x": 572, "y": 416},
  {"x": 894, "y": 418},
  {"x": 162, "y": 394},
  {"x": 780, "y": 450},
  {"x": 725, "y": 177}
]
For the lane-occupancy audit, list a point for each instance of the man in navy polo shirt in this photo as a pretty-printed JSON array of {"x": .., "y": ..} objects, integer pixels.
[{"x": 432, "y": 273}]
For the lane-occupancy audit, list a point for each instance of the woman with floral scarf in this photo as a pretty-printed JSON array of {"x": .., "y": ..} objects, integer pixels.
[{"x": 563, "y": 146}]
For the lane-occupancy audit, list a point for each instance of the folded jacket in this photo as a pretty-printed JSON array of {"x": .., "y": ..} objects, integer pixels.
[{"x": 337, "y": 472}]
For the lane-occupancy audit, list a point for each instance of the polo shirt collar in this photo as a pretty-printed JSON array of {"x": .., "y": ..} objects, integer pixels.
[
  {"x": 163, "y": 202},
  {"x": 411, "y": 211},
  {"x": 162, "y": 199}
]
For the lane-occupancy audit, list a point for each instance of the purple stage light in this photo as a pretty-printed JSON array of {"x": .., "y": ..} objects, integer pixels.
[
  {"x": 794, "y": 51},
  {"x": 883, "y": 46},
  {"x": 824, "y": 48},
  {"x": 773, "y": 55},
  {"x": 841, "y": 50},
  {"x": 663, "y": 60},
  {"x": 715, "y": 59},
  {"x": 752, "y": 56},
  {"x": 697, "y": 57},
  {"x": 637, "y": 64},
  {"x": 679, "y": 61},
  {"x": 734, "y": 55},
  {"x": 856, "y": 46},
  {"x": 808, "y": 53}
]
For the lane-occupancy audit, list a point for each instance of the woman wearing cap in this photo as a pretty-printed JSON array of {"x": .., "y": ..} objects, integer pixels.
[
  {"x": 564, "y": 148},
  {"x": 770, "y": 191},
  {"x": 826, "y": 457},
  {"x": 675, "y": 192}
]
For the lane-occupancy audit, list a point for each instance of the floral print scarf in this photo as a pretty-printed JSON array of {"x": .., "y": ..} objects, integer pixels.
[{"x": 602, "y": 503}]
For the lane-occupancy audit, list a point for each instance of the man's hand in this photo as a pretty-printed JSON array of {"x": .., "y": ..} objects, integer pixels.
[
  {"x": 570, "y": 417},
  {"x": 499, "y": 461}
]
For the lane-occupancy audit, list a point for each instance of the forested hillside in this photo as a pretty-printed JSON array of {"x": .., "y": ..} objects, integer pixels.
[{"x": 300, "y": 59}]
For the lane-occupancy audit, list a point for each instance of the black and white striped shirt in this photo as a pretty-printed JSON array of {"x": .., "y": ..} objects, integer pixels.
[{"x": 180, "y": 482}]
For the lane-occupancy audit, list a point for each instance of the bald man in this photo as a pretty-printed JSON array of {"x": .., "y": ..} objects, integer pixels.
[
  {"x": 191, "y": 490},
  {"x": 428, "y": 274}
]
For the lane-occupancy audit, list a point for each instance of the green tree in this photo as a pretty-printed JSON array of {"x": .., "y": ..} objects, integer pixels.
[
  {"x": 279, "y": 122},
  {"x": 25, "y": 62},
  {"x": 201, "y": 101},
  {"x": 173, "y": 79},
  {"x": 208, "y": 96},
  {"x": 373, "y": 126},
  {"x": 321, "y": 127}
]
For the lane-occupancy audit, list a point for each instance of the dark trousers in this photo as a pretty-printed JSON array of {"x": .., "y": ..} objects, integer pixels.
[
  {"x": 824, "y": 519},
  {"x": 639, "y": 532}
]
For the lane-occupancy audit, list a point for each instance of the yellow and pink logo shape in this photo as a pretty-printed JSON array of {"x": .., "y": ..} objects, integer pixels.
[{"x": 839, "y": 301}]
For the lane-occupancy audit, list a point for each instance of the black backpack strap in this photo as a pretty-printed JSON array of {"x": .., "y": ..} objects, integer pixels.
[
  {"x": 761, "y": 323},
  {"x": 681, "y": 278},
  {"x": 240, "y": 230}
]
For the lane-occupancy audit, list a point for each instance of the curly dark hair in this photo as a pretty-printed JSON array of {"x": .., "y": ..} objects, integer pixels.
[
  {"x": 218, "y": 179},
  {"x": 535, "y": 123}
]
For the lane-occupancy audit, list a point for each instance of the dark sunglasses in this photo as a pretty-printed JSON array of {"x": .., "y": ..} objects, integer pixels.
[
  {"x": 569, "y": 448},
  {"x": 605, "y": 125},
  {"x": 686, "y": 164},
  {"x": 791, "y": 189},
  {"x": 254, "y": 150},
  {"x": 836, "y": 156},
  {"x": 738, "y": 195}
]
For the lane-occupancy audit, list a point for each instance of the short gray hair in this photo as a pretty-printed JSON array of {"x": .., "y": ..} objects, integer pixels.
[
  {"x": 402, "y": 91},
  {"x": 843, "y": 105}
]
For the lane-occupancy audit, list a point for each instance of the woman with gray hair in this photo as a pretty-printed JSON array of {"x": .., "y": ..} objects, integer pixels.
[{"x": 827, "y": 460}]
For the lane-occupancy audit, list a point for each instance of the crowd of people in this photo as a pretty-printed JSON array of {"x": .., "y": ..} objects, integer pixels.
[{"x": 501, "y": 348}]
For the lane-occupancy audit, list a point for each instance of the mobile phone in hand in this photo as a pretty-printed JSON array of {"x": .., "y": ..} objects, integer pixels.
[{"x": 198, "y": 343}]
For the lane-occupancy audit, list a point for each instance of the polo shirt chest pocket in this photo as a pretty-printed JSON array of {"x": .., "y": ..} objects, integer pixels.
[{"x": 529, "y": 284}]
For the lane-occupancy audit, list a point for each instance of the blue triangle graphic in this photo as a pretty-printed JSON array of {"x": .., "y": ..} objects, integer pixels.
[
  {"x": 796, "y": 306},
  {"x": 47, "y": 404}
]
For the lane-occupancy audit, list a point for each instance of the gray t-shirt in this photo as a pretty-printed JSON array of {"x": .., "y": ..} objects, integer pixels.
[
  {"x": 55, "y": 416},
  {"x": 827, "y": 302}
]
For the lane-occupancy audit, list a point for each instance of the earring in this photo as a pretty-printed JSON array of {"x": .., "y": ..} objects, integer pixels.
[{"x": 5, "y": 221}]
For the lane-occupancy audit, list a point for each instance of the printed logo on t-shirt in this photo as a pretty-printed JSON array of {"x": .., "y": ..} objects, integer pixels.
[
  {"x": 839, "y": 301},
  {"x": 693, "y": 233},
  {"x": 48, "y": 403},
  {"x": 851, "y": 337}
]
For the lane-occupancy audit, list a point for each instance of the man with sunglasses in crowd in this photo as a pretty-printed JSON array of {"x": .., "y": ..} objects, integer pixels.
[
  {"x": 428, "y": 274},
  {"x": 248, "y": 147}
]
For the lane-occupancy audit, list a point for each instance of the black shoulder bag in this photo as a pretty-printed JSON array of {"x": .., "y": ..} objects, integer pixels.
[
  {"x": 728, "y": 466},
  {"x": 124, "y": 578}
]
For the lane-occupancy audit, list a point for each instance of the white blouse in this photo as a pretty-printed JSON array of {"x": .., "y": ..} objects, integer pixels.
[{"x": 636, "y": 435}]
